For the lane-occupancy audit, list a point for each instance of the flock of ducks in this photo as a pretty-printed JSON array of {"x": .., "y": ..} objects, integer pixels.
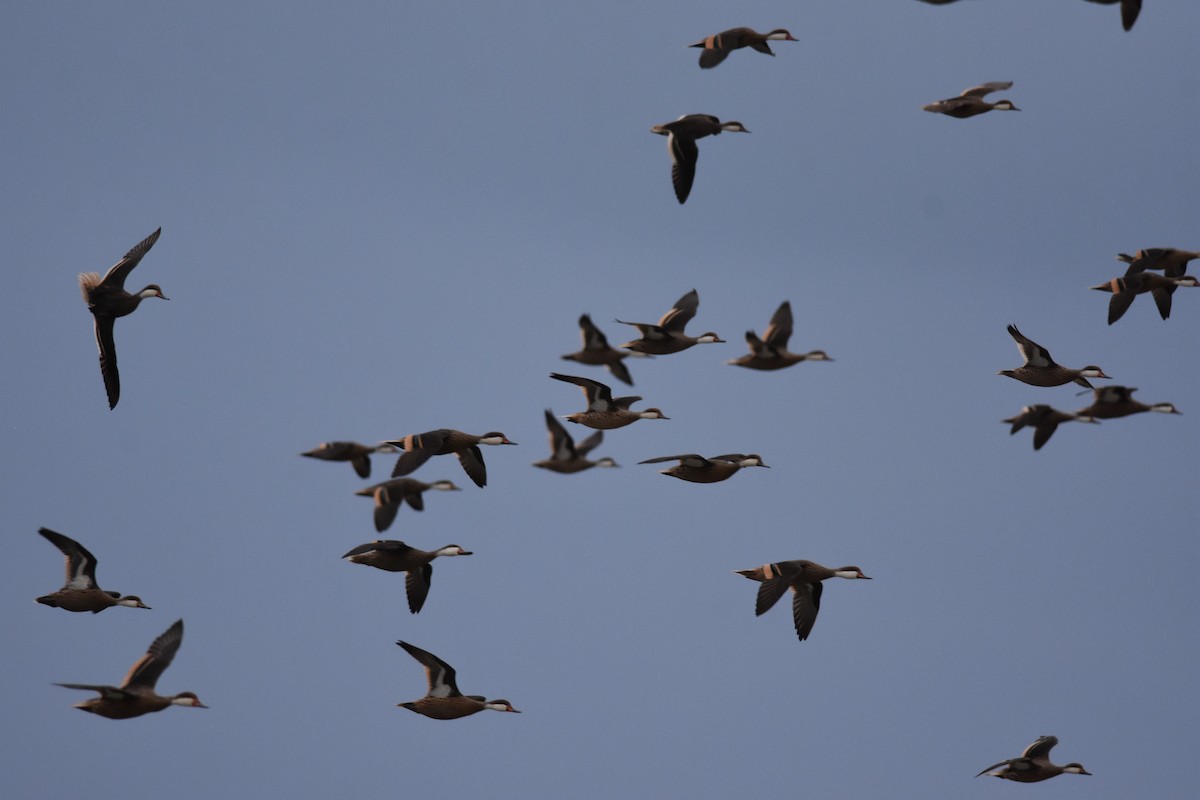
[{"x": 107, "y": 300}]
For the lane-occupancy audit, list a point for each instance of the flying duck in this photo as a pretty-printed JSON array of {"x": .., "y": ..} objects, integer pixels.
[
  {"x": 698, "y": 469},
  {"x": 1044, "y": 420},
  {"x": 1040, "y": 369},
  {"x": 604, "y": 412},
  {"x": 444, "y": 700},
  {"x": 681, "y": 144},
  {"x": 667, "y": 336},
  {"x": 107, "y": 299},
  {"x": 392, "y": 494},
  {"x": 717, "y": 47},
  {"x": 1111, "y": 402},
  {"x": 804, "y": 579},
  {"x": 1033, "y": 765},
  {"x": 359, "y": 455},
  {"x": 596, "y": 351},
  {"x": 136, "y": 695},
  {"x": 770, "y": 352},
  {"x": 80, "y": 592},
  {"x": 566, "y": 457},
  {"x": 393, "y": 555},
  {"x": 419, "y": 447},
  {"x": 971, "y": 103}
]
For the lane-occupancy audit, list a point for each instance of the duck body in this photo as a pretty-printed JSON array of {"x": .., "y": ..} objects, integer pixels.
[
  {"x": 804, "y": 579},
  {"x": 107, "y": 299},
  {"x": 136, "y": 696},
  {"x": 667, "y": 336},
  {"x": 596, "y": 351},
  {"x": 719, "y": 46},
  {"x": 80, "y": 592},
  {"x": 1111, "y": 402},
  {"x": 682, "y": 135},
  {"x": 604, "y": 412},
  {"x": 1125, "y": 289},
  {"x": 698, "y": 469},
  {"x": 1044, "y": 420},
  {"x": 392, "y": 555},
  {"x": 1033, "y": 765},
  {"x": 971, "y": 103},
  {"x": 444, "y": 700},
  {"x": 770, "y": 352},
  {"x": 359, "y": 455},
  {"x": 567, "y": 457},
  {"x": 420, "y": 447},
  {"x": 1040, "y": 369},
  {"x": 392, "y": 494}
]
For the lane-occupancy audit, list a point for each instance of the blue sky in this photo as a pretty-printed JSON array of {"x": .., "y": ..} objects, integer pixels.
[{"x": 381, "y": 219}]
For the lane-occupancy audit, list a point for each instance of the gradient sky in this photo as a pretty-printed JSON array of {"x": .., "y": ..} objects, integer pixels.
[{"x": 385, "y": 218}]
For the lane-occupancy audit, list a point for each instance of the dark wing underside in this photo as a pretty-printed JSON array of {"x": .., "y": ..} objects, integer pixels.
[{"x": 108, "y": 359}]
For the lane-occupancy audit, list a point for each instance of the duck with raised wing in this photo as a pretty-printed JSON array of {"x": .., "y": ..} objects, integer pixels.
[
  {"x": 596, "y": 351},
  {"x": 698, "y": 469},
  {"x": 393, "y": 555},
  {"x": 804, "y": 579},
  {"x": 80, "y": 592},
  {"x": 444, "y": 700},
  {"x": 420, "y": 447},
  {"x": 604, "y": 412},
  {"x": 136, "y": 696},
  {"x": 1172, "y": 261},
  {"x": 359, "y": 455},
  {"x": 971, "y": 103},
  {"x": 566, "y": 457},
  {"x": 1111, "y": 402},
  {"x": 720, "y": 45},
  {"x": 770, "y": 352},
  {"x": 392, "y": 494},
  {"x": 1126, "y": 288},
  {"x": 1033, "y": 765},
  {"x": 1129, "y": 10},
  {"x": 107, "y": 299},
  {"x": 667, "y": 336},
  {"x": 681, "y": 144},
  {"x": 1040, "y": 369},
  {"x": 1044, "y": 420}
]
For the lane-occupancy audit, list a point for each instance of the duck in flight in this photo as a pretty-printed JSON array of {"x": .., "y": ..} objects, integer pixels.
[{"x": 107, "y": 299}]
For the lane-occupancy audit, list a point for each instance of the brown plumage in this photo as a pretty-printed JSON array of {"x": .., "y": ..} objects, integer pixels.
[
  {"x": 596, "y": 351},
  {"x": 80, "y": 592},
  {"x": 1110, "y": 402},
  {"x": 359, "y": 455},
  {"x": 770, "y": 352},
  {"x": 681, "y": 144},
  {"x": 1040, "y": 369},
  {"x": 718, "y": 46},
  {"x": 667, "y": 336},
  {"x": 1033, "y": 765},
  {"x": 698, "y": 469},
  {"x": 804, "y": 579},
  {"x": 392, "y": 494},
  {"x": 604, "y": 412},
  {"x": 444, "y": 700},
  {"x": 971, "y": 103},
  {"x": 107, "y": 299},
  {"x": 392, "y": 555},
  {"x": 1044, "y": 420},
  {"x": 420, "y": 447},
  {"x": 136, "y": 696},
  {"x": 567, "y": 457}
]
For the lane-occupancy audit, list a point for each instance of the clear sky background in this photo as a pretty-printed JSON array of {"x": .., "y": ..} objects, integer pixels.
[{"x": 385, "y": 218}]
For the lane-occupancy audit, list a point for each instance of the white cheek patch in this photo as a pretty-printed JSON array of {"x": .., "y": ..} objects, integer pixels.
[{"x": 845, "y": 573}]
